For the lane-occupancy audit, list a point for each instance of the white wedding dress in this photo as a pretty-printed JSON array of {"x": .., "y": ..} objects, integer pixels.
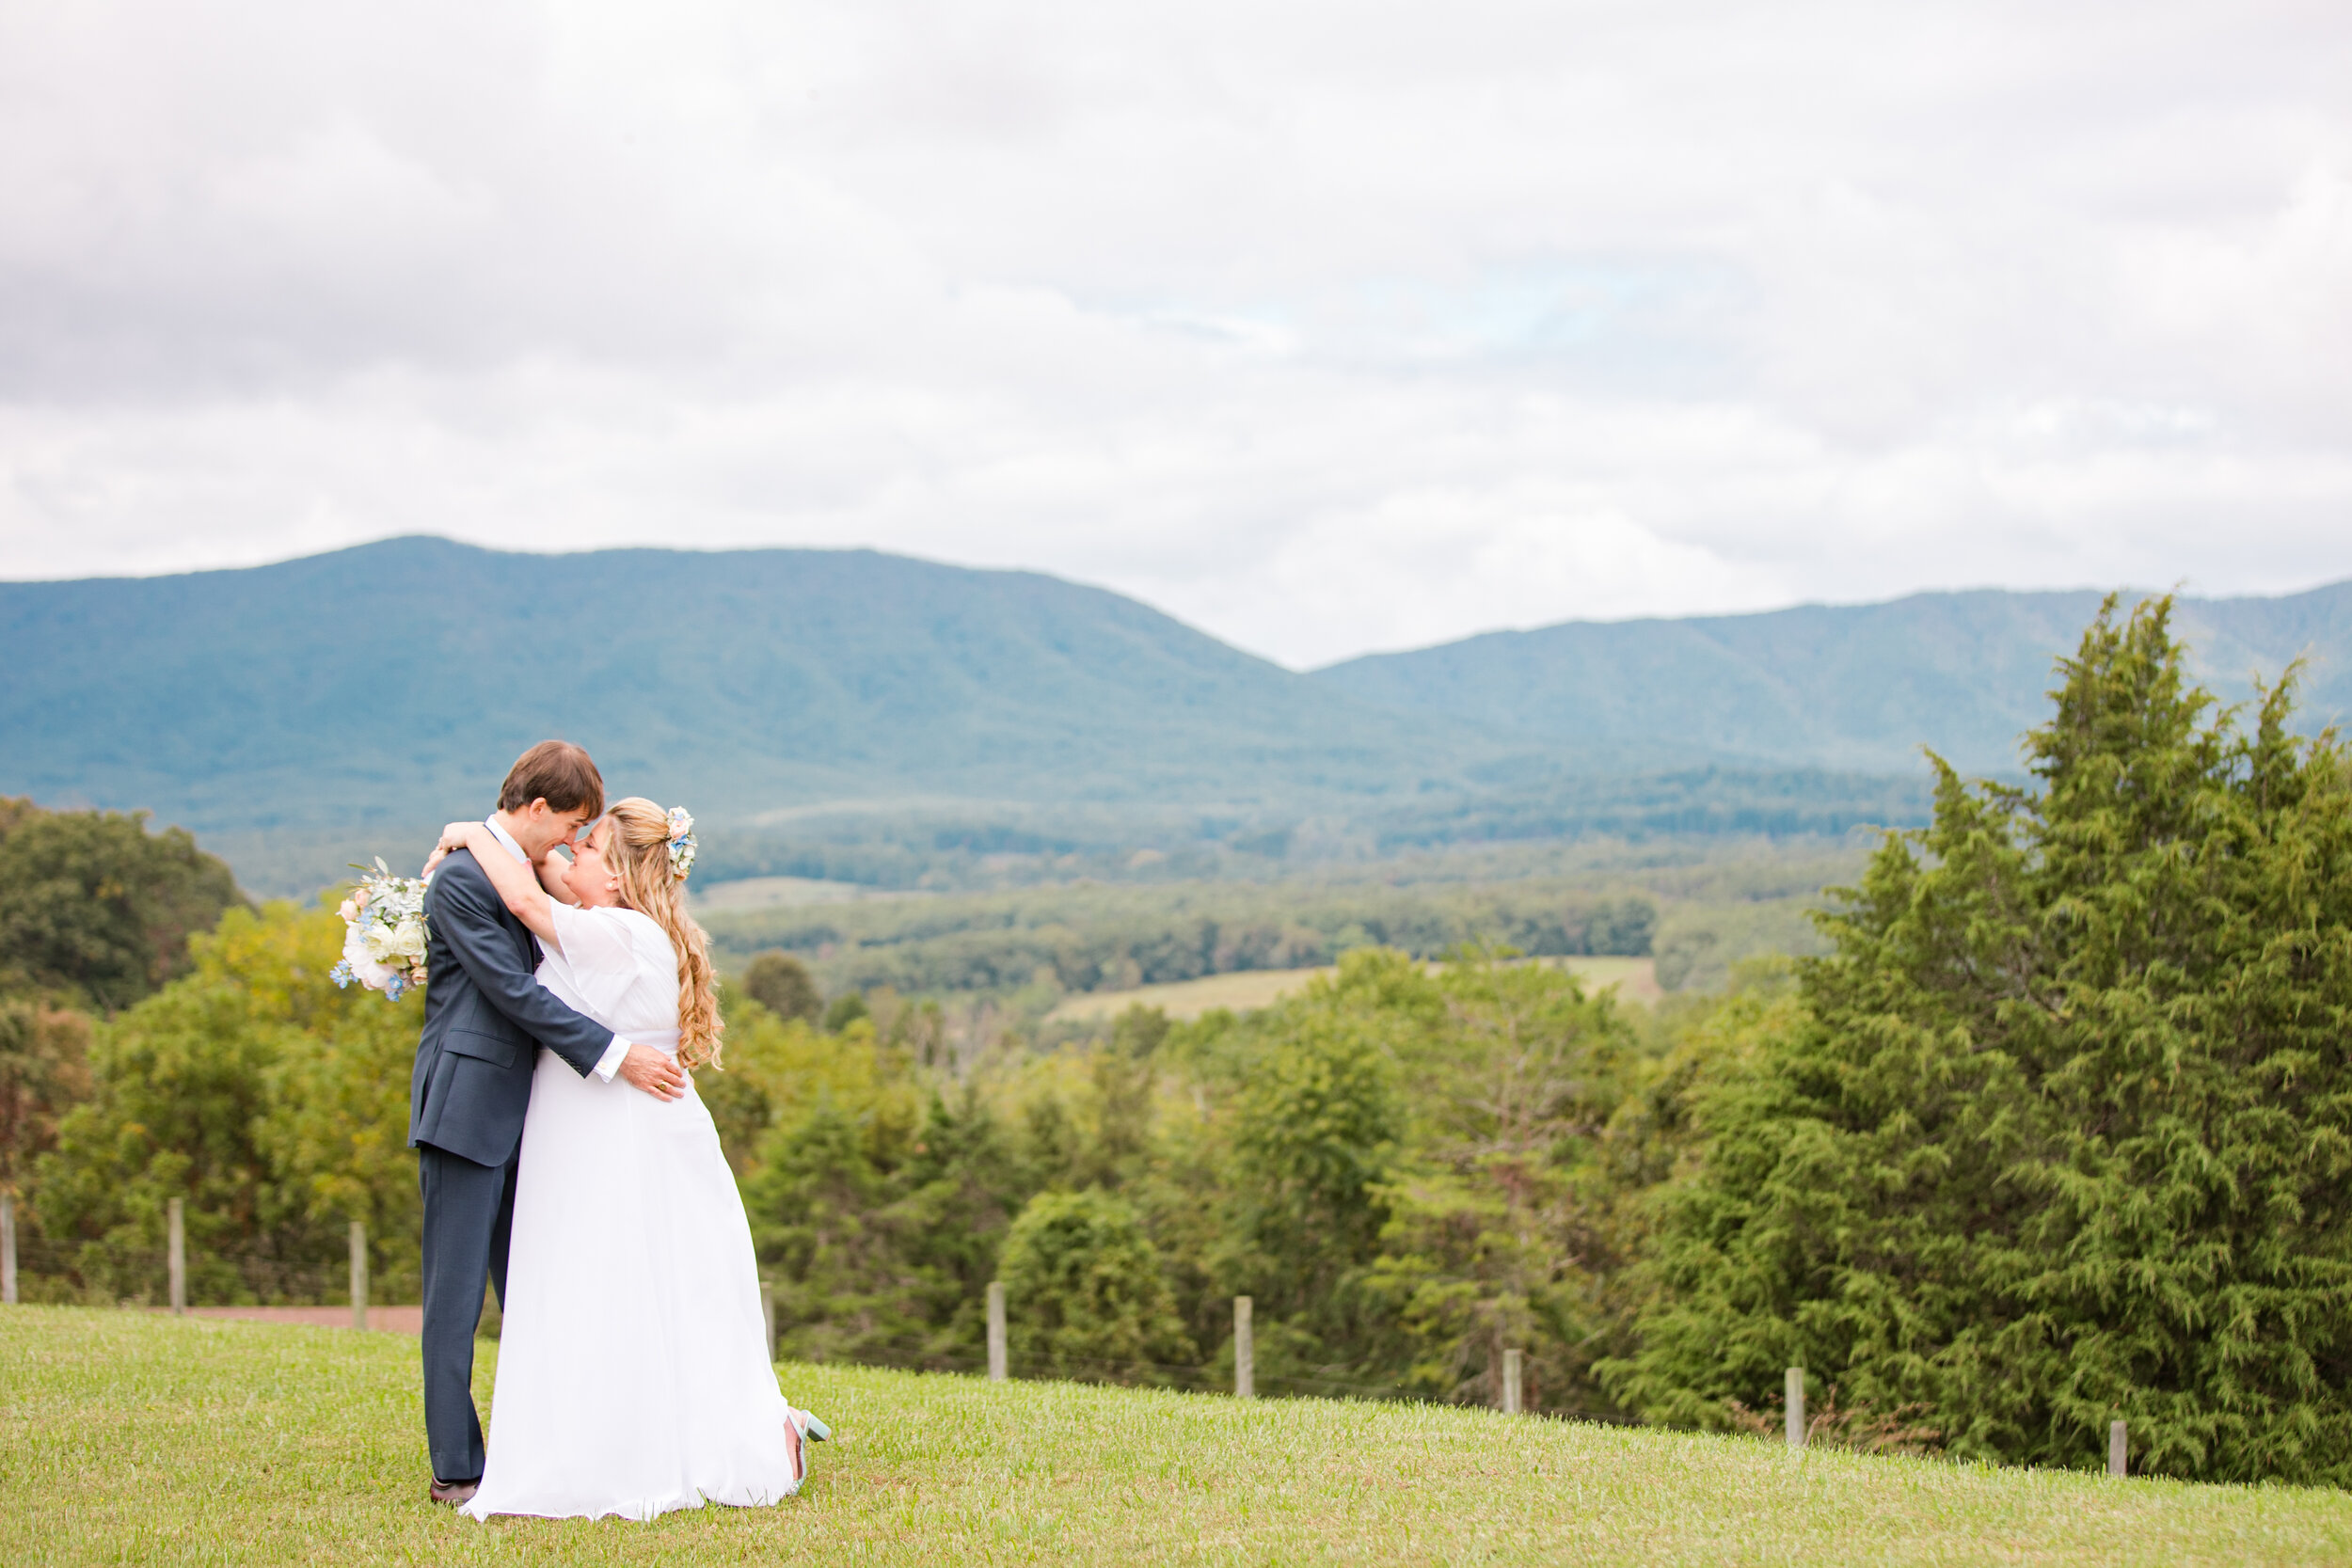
[{"x": 633, "y": 1375}]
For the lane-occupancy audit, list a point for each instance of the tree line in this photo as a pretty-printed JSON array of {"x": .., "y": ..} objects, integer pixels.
[
  {"x": 95, "y": 914},
  {"x": 2057, "y": 1129},
  {"x": 1090, "y": 939}
]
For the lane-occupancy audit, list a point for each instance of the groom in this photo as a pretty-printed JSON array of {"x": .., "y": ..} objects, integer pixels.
[{"x": 484, "y": 1016}]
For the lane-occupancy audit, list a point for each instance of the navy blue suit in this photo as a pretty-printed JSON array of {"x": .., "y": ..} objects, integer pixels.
[{"x": 484, "y": 1017}]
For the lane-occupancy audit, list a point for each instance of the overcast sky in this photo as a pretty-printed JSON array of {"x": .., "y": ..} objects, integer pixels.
[{"x": 1324, "y": 327}]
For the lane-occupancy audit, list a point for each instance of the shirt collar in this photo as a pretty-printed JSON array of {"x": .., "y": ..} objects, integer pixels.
[{"x": 505, "y": 838}]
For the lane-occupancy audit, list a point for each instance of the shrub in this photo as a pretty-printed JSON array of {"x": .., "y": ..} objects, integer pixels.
[{"x": 1084, "y": 1289}]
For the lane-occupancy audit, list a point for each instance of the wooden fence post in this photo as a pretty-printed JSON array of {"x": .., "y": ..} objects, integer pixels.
[
  {"x": 176, "y": 1252},
  {"x": 1245, "y": 1351},
  {"x": 2119, "y": 1450},
  {"x": 7, "y": 1249},
  {"x": 1796, "y": 1408},
  {"x": 1510, "y": 1383},
  {"x": 360, "y": 1273},
  {"x": 996, "y": 1358}
]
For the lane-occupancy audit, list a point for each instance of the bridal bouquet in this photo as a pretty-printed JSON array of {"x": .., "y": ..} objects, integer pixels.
[{"x": 383, "y": 932}]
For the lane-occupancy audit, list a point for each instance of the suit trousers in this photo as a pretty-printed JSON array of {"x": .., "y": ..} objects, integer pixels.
[{"x": 468, "y": 1217}]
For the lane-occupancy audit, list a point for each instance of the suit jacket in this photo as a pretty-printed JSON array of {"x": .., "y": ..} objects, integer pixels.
[{"x": 483, "y": 1016}]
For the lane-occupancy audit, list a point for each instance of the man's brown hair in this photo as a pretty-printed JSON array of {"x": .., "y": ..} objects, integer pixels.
[{"x": 559, "y": 773}]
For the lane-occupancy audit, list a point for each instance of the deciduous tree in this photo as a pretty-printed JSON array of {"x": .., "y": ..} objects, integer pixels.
[{"x": 96, "y": 909}]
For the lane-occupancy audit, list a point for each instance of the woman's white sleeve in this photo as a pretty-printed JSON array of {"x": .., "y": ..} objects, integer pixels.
[{"x": 598, "y": 953}]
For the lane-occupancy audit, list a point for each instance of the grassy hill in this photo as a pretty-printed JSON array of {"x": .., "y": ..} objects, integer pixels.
[
  {"x": 127, "y": 1437},
  {"x": 1856, "y": 688}
]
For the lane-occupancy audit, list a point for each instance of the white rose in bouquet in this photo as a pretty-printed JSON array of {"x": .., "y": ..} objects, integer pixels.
[{"x": 384, "y": 932}]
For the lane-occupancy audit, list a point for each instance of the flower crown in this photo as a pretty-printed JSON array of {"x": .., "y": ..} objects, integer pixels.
[{"x": 681, "y": 841}]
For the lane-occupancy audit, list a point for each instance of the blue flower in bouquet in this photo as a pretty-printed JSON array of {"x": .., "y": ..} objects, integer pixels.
[{"x": 384, "y": 932}]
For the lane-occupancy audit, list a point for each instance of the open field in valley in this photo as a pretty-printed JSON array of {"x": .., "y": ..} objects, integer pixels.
[
  {"x": 1697, "y": 909},
  {"x": 126, "y": 1437},
  {"x": 1636, "y": 980}
]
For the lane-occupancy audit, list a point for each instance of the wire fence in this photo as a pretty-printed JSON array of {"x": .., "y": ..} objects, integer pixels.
[
  {"x": 929, "y": 1355},
  {"x": 113, "y": 1273}
]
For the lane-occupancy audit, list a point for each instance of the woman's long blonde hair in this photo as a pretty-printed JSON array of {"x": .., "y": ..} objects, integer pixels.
[{"x": 638, "y": 852}]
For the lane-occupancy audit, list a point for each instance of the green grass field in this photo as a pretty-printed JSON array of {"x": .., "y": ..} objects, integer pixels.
[
  {"x": 132, "y": 1438},
  {"x": 1242, "y": 991}
]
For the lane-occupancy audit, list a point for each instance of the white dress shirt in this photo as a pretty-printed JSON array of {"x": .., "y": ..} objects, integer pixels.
[{"x": 618, "y": 1051}]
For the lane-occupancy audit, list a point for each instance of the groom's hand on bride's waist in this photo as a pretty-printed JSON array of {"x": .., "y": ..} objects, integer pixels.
[{"x": 657, "y": 1072}]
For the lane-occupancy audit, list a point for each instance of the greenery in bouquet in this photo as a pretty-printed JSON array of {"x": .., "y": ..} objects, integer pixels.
[{"x": 383, "y": 932}]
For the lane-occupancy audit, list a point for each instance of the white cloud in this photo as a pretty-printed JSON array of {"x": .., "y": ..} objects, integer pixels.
[{"x": 1325, "y": 328}]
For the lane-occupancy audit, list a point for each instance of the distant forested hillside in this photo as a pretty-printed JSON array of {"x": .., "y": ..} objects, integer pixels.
[
  {"x": 377, "y": 690},
  {"x": 302, "y": 715},
  {"x": 1856, "y": 688},
  {"x": 750, "y": 680},
  {"x": 846, "y": 713}
]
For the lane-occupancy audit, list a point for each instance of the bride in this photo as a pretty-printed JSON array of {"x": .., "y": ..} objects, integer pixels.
[{"x": 634, "y": 1374}]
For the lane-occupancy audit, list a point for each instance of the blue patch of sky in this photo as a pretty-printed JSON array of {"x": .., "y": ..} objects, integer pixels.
[{"x": 1644, "y": 324}]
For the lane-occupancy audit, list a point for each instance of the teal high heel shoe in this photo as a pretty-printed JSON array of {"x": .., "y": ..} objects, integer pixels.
[{"x": 816, "y": 1430}]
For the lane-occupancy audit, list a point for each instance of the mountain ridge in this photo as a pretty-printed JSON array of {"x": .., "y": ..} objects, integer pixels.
[
  {"x": 1858, "y": 688},
  {"x": 324, "y": 708},
  {"x": 351, "y": 689}
]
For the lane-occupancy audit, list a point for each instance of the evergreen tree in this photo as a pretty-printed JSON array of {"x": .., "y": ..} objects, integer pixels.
[
  {"x": 1504, "y": 1230},
  {"x": 1124, "y": 1080},
  {"x": 962, "y": 1188},
  {"x": 815, "y": 1204},
  {"x": 1316, "y": 1133},
  {"x": 2062, "y": 1129},
  {"x": 1085, "y": 1292}
]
